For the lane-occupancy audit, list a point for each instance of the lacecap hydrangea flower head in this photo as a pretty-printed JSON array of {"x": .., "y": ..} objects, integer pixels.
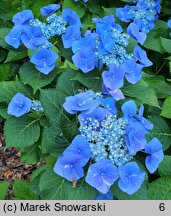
[
  {"x": 37, "y": 35},
  {"x": 110, "y": 142}
]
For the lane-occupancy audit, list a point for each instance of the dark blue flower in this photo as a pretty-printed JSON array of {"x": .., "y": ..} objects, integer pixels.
[
  {"x": 107, "y": 196},
  {"x": 154, "y": 149},
  {"x": 71, "y": 17},
  {"x": 14, "y": 37},
  {"x": 99, "y": 114},
  {"x": 102, "y": 175},
  {"x": 169, "y": 23},
  {"x": 72, "y": 34},
  {"x": 122, "y": 13},
  {"x": 135, "y": 138},
  {"x": 109, "y": 104},
  {"x": 68, "y": 166},
  {"x": 129, "y": 110},
  {"x": 47, "y": 10},
  {"x": 132, "y": 71},
  {"x": 114, "y": 78},
  {"x": 23, "y": 17},
  {"x": 135, "y": 33},
  {"x": 79, "y": 147},
  {"x": 81, "y": 102},
  {"x": 141, "y": 56},
  {"x": 131, "y": 177},
  {"x": 147, "y": 125},
  {"x": 84, "y": 59},
  {"x": 44, "y": 60},
  {"x": 19, "y": 105},
  {"x": 32, "y": 37},
  {"x": 115, "y": 93},
  {"x": 86, "y": 42}
]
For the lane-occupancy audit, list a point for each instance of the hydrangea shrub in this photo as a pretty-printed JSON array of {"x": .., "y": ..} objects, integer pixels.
[{"x": 85, "y": 87}]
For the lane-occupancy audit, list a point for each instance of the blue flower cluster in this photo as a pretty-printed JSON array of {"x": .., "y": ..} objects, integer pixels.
[
  {"x": 20, "y": 105},
  {"x": 35, "y": 34},
  {"x": 142, "y": 15},
  {"x": 109, "y": 142},
  {"x": 113, "y": 79}
]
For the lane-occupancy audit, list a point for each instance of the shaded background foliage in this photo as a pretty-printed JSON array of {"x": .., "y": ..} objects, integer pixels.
[{"x": 45, "y": 136}]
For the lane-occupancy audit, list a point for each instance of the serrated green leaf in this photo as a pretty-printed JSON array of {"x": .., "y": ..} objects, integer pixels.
[
  {"x": 166, "y": 44},
  {"x": 3, "y": 189},
  {"x": 164, "y": 168},
  {"x": 91, "y": 80},
  {"x": 22, "y": 191},
  {"x": 58, "y": 188},
  {"x": 21, "y": 132},
  {"x": 162, "y": 131},
  {"x": 30, "y": 155},
  {"x": 142, "y": 92},
  {"x": 14, "y": 56},
  {"x": 160, "y": 189},
  {"x": 31, "y": 76},
  {"x": 166, "y": 108}
]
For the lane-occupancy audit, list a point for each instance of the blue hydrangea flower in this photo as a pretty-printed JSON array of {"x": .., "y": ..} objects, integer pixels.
[
  {"x": 114, "y": 78},
  {"x": 32, "y": 37},
  {"x": 72, "y": 34},
  {"x": 68, "y": 166},
  {"x": 154, "y": 149},
  {"x": 141, "y": 56},
  {"x": 71, "y": 17},
  {"x": 169, "y": 23},
  {"x": 36, "y": 105},
  {"x": 129, "y": 110},
  {"x": 83, "y": 102},
  {"x": 102, "y": 175},
  {"x": 135, "y": 138},
  {"x": 143, "y": 13},
  {"x": 47, "y": 10},
  {"x": 107, "y": 196},
  {"x": 79, "y": 147},
  {"x": 82, "y": 0},
  {"x": 14, "y": 37},
  {"x": 115, "y": 93},
  {"x": 84, "y": 59},
  {"x": 23, "y": 17},
  {"x": 44, "y": 60},
  {"x": 135, "y": 33},
  {"x": 132, "y": 71},
  {"x": 19, "y": 105},
  {"x": 109, "y": 104},
  {"x": 131, "y": 177}
]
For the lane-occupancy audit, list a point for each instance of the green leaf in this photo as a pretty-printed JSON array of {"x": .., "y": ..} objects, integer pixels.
[
  {"x": 30, "y": 155},
  {"x": 166, "y": 44},
  {"x": 31, "y": 76},
  {"x": 162, "y": 131},
  {"x": 21, "y": 132},
  {"x": 52, "y": 101},
  {"x": 142, "y": 92},
  {"x": 22, "y": 191},
  {"x": 94, "y": 7},
  {"x": 160, "y": 189},
  {"x": 91, "y": 80},
  {"x": 141, "y": 194},
  {"x": 66, "y": 85},
  {"x": 166, "y": 108},
  {"x": 58, "y": 188},
  {"x": 78, "y": 7},
  {"x": 14, "y": 56},
  {"x": 161, "y": 87},
  {"x": 53, "y": 140},
  {"x": 4, "y": 71},
  {"x": 164, "y": 168},
  {"x": 3, "y": 189},
  {"x": 7, "y": 90}
]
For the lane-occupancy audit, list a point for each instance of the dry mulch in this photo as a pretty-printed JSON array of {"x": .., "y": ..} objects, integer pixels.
[{"x": 10, "y": 166}]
